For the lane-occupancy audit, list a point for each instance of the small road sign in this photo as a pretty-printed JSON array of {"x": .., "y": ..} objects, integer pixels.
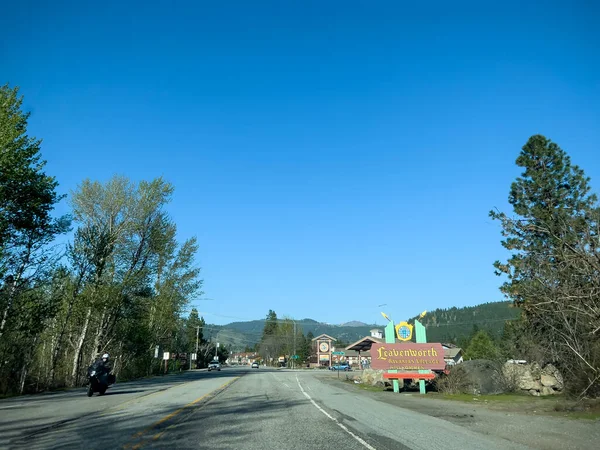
[
  {"x": 338, "y": 353},
  {"x": 166, "y": 356},
  {"x": 295, "y": 357}
]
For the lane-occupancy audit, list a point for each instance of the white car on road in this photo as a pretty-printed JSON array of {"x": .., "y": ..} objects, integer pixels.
[
  {"x": 255, "y": 365},
  {"x": 214, "y": 365}
]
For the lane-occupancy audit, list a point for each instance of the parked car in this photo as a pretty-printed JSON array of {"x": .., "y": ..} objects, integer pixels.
[
  {"x": 255, "y": 365},
  {"x": 214, "y": 365},
  {"x": 346, "y": 367}
]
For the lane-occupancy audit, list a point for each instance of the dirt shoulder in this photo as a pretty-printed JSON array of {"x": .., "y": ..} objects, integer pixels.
[{"x": 529, "y": 421}]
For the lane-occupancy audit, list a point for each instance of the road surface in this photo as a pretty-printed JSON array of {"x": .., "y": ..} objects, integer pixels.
[{"x": 236, "y": 408}]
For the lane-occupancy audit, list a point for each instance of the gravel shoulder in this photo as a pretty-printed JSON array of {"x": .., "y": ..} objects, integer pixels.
[{"x": 527, "y": 427}]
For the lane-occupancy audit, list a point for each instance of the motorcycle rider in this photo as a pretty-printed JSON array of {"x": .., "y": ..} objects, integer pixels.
[{"x": 103, "y": 366}]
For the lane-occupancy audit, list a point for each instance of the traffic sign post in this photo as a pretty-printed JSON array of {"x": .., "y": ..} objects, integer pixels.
[
  {"x": 166, "y": 356},
  {"x": 338, "y": 361}
]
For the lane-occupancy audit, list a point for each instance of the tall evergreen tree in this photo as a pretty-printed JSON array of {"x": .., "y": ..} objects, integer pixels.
[{"x": 554, "y": 270}]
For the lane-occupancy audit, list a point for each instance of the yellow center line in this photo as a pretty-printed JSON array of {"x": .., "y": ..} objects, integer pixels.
[
  {"x": 170, "y": 416},
  {"x": 143, "y": 397}
]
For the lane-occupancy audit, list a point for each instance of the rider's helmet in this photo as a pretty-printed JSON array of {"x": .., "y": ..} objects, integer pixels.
[{"x": 105, "y": 357}]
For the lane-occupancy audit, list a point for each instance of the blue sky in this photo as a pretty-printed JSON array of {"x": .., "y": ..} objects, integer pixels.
[{"x": 329, "y": 156}]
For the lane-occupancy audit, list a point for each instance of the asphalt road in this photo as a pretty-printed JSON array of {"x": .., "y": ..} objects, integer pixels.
[{"x": 237, "y": 408}]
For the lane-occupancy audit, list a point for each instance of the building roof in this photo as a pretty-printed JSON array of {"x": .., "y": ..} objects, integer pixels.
[
  {"x": 452, "y": 352},
  {"x": 364, "y": 344},
  {"x": 324, "y": 336}
]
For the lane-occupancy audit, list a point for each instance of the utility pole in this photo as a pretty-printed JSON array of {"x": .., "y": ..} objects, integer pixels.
[{"x": 294, "y": 355}]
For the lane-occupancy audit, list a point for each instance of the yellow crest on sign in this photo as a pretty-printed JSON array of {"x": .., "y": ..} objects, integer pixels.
[{"x": 404, "y": 331}]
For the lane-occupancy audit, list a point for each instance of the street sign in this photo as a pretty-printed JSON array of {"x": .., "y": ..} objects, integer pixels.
[
  {"x": 295, "y": 357},
  {"x": 218, "y": 344},
  {"x": 338, "y": 353},
  {"x": 193, "y": 357},
  {"x": 156, "y": 351},
  {"x": 166, "y": 356}
]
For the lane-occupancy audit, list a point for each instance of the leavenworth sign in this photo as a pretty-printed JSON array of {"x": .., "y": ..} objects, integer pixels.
[{"x": 408, "y": 356}]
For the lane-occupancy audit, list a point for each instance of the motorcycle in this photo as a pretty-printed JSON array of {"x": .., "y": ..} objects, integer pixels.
[{"x": 98, "y": 382}]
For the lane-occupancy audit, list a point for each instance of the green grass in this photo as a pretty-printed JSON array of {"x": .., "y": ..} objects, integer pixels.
[
  {"x": 499, "y": 398},
  {"x": 557, "y": 406}
]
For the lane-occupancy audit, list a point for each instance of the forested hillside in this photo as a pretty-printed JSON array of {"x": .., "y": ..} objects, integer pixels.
[
  {"x": 457, "y": 324},
  {"x": 247, "y": 334},
  {"x": 443, "y": 325}
]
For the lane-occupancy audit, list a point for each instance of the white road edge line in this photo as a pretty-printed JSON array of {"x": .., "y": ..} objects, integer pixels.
[{"x": 341, "y": 425}]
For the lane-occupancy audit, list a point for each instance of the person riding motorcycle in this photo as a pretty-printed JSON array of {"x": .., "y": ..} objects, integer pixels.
[{"x": 103, "y": 366}]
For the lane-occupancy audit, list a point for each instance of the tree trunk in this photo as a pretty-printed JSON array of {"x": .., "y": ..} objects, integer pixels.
[
  {"x": 98, "y": 337},
  {"x": 11, "y": 295},
  {"x": 59, "y": 339},
  {"x": 26, "y": 363},
  {"x": 82, "y": 336}
]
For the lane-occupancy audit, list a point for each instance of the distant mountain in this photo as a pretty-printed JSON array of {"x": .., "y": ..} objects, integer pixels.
[
  {"x": 354, "y": 323},
  {"x": 241, "y": 334},
  {"x": 443, "y": 325}
]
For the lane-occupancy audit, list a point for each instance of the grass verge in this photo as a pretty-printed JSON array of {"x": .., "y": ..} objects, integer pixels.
[{"x": 588, "y": 409}]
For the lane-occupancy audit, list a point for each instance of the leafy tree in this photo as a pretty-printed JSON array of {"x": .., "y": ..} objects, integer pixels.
[
  {"x": 122, "y": 287},
  {"x": 27, "y": 198},
  {"x": 194, "y": 330},
  {"x": 481, "y": 347},
  {"x": 552, "y": 273}
]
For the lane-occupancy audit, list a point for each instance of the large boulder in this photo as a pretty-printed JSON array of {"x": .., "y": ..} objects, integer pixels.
[
  {"x": 545, "y": 390},
  {"x": 551, "y": 377},
  {"x": 521, "y": 376},
  {"x": 534, "y": 379},
  {"x": 548, "y": 380},
  {"x": 373, "y": 377}
]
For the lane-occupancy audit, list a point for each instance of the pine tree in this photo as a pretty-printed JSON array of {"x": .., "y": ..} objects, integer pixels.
[{"x": 554, "y": 270}]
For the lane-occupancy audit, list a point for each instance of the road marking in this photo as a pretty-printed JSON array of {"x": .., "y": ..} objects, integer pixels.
[
  {"x": 169, "y": 417},
  {"x": 341, "y": 425},
  {"x": 143, "y": 397}
]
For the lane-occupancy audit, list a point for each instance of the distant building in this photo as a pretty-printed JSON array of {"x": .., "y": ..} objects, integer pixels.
[
  {"x": 244, "y": 358},
  {"x": 324, "y": 345},
  {"x": 452, "y": 354},
  {"x": 376, "y": 333}
]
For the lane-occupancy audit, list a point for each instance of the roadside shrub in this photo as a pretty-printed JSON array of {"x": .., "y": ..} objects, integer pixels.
[{"x": 455, "y": 382}]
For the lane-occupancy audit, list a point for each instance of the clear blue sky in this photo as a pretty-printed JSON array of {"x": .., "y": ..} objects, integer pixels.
[{"x": 329, "y": 156}]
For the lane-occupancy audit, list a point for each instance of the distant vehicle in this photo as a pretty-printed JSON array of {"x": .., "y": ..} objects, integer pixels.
[
  {"x": 214, "y": 365},
  {"x": 344, "y": 366},
  {"x": 255, "y": 365}
]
